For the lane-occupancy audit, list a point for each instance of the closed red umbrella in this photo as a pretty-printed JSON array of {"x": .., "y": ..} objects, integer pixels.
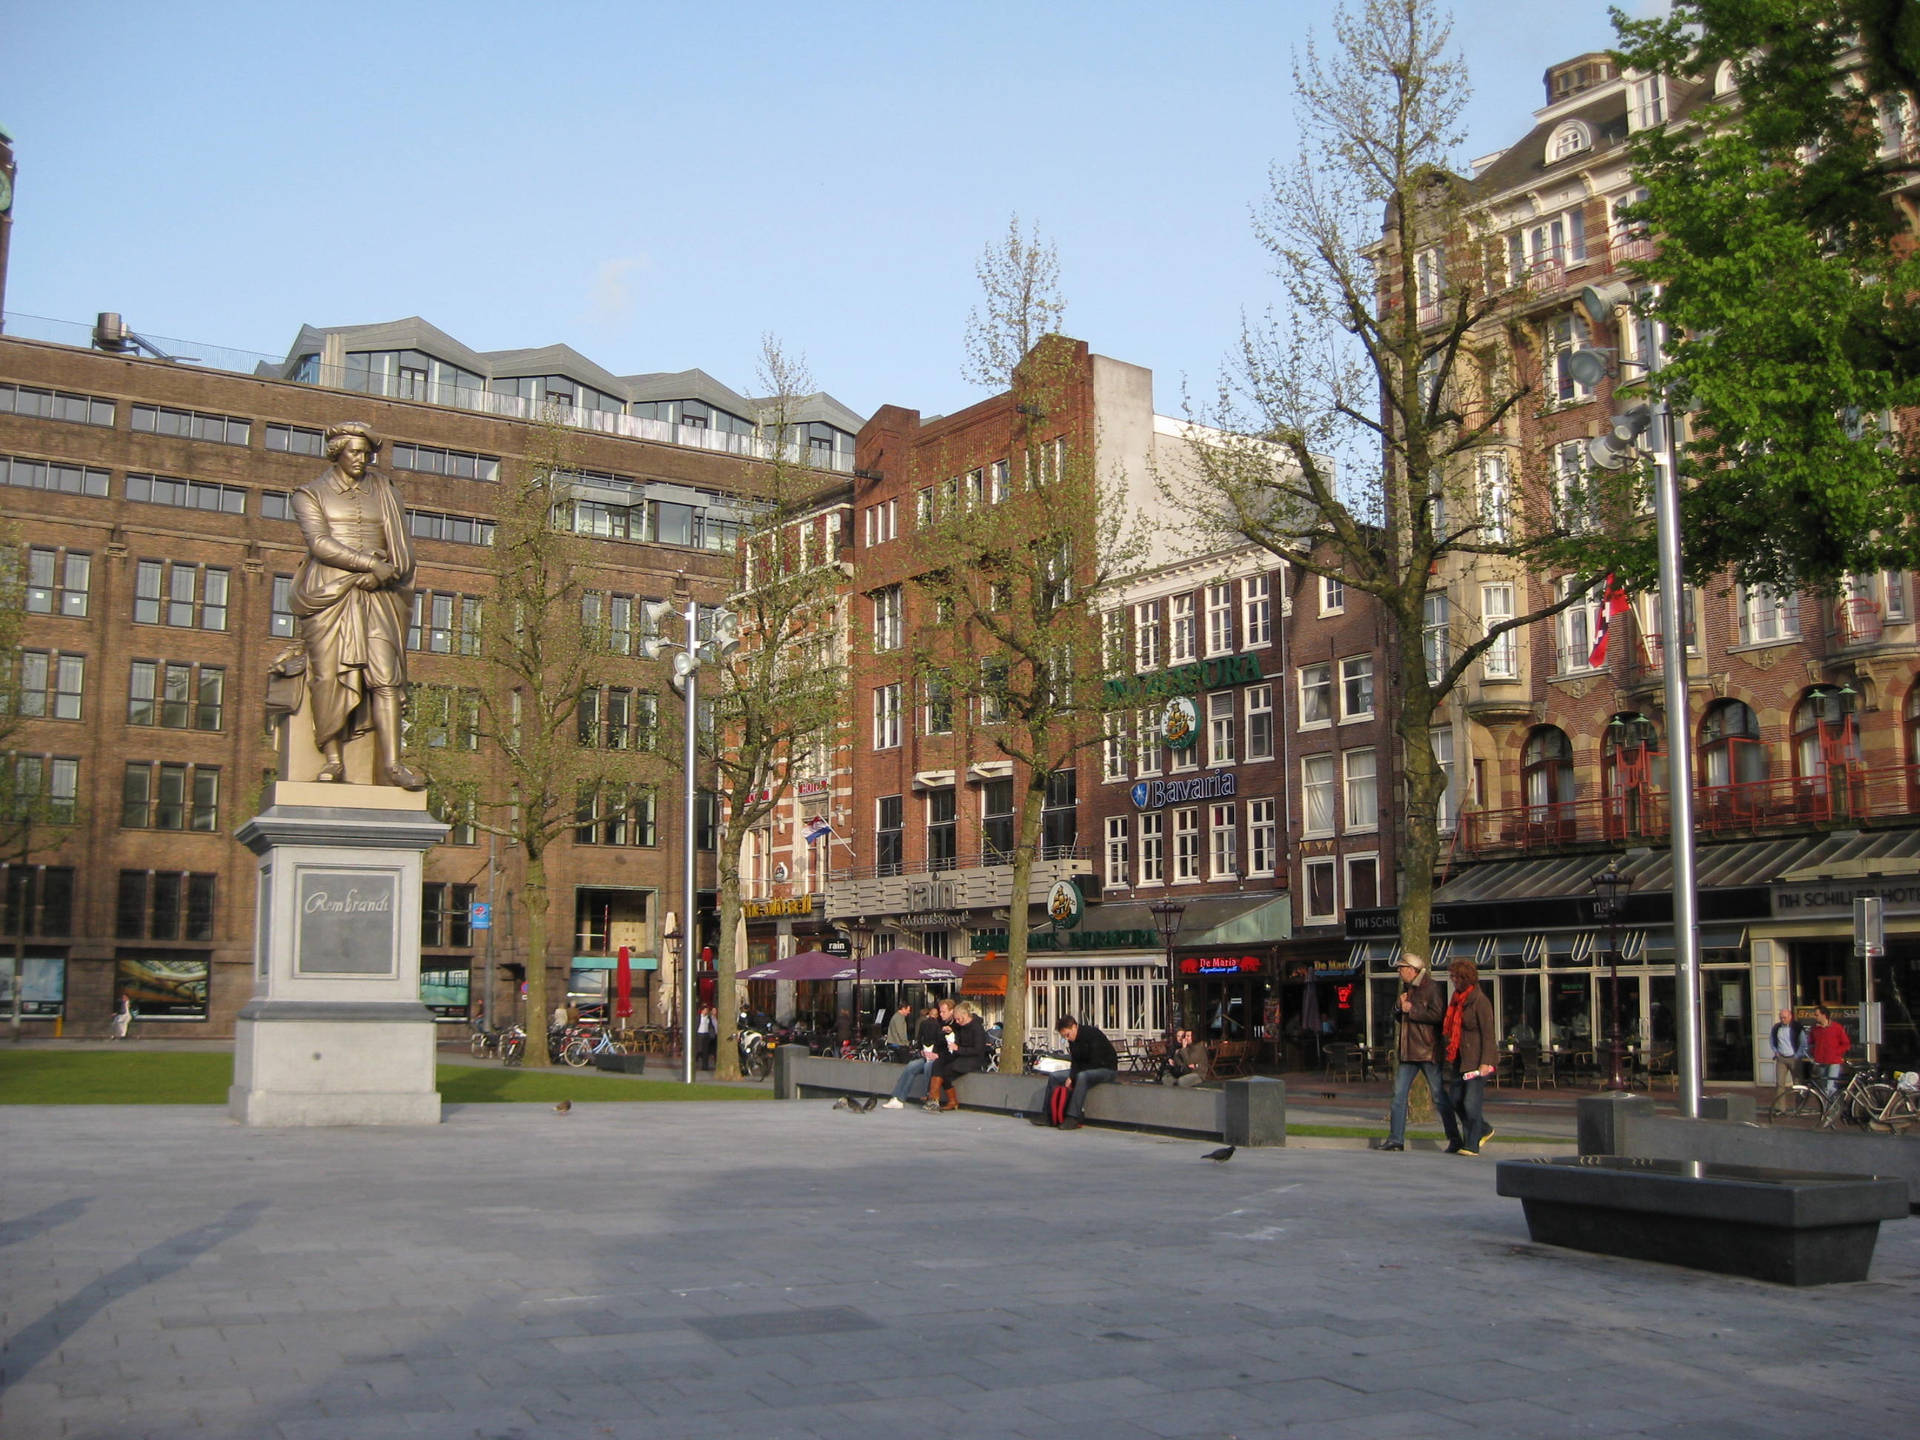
[{"x": 623, "y": 984}]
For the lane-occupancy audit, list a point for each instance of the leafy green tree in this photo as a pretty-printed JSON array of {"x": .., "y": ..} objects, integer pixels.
[
  {"x": 1348, "y": 434},
  {"x": 780, "y": 695},
  {"x": 1789, "y": 280}
]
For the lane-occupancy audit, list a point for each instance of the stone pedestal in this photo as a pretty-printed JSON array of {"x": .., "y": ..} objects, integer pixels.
[{"x": 335, "y": 1033}]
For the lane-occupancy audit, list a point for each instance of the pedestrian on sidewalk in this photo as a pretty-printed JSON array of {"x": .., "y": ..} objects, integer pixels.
[
  {"x": 123, "y": 1017},
  {"x": 1788, "y": 1041},
  {"x": 1418, "y": 1011},
  {"x": 1472, "y": 1054},
  {"x": 1829, "y": 1044},
  {"x": 932, "y": 1036}
]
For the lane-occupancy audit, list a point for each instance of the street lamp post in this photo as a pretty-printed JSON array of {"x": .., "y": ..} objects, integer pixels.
[
  {"x": 1166, "y": 919},
  {"x": 1609, "y": 887},
  {"x": 686, "y": 671}
]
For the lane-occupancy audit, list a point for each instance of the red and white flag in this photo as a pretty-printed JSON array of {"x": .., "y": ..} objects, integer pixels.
[{"x": 1614, "y": 602}]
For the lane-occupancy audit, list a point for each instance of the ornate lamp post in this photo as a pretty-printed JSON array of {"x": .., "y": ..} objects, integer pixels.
[
  {"x": 1166, "y": 919},
  {"x": 1609, "y": 890}
]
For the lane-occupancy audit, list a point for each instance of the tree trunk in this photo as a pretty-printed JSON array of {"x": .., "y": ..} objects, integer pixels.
[
  {"x": 533, "y": 896},
  {"x": 727, "y": 963},
  {"x": 1419, "y": 830},
  {"x": 1026, "y": 845}
]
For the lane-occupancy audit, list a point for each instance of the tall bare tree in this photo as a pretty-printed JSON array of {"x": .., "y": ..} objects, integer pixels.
[
  {"x": 780, "y": 695},
  {"x": 1355, "y": 415},
  {"x": 505, "y": 745}
]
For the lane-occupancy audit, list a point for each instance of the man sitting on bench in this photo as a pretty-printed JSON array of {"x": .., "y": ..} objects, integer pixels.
[{"x": 1091, "y": 1062}]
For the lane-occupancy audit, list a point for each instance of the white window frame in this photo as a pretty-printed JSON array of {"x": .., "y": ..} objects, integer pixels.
[
  {"x": 1331, "y": 868},
  {"x": 886, "y": 717},
  {"x": 1351, "y": 675},
  {"x": 1360, "y": 788},
  {"x": 1187, "y": 863},
  {"x": 1256, "y": 611},
  {"x": 1767, "y": 616},
  {"x": 1146, "y": 740},
  {"x": 1153, "y": 855},
  {"x": 1441, "y": 738},
  {"x": 1560, "y": 336},
  {"x": 1259, "y": 702},
  {"x": 1316, "y": 679},
  {"x": 1114, "y": 747},
  {"x": 1263, "y": 836},
  {"x": 1495, "y": 495},
  {"x": 1436, "y": 633},
  {"x": 889, "y": 606},
  {"x": 1574, "y": 499},
  {"x": 1573, "y": 627},
  {"x": 1500, "y": 660},
  {"x": 1318, "y": 802},
  {"x": 1220, "y": 619},
  {"x": 1146, "y": 637},
  {"x": 1223, "y": 841},
  {"x": 1182, "y": 631},
  {"x": 1220, "y": 716},
  {"x": 1333, "y": 596},
  {"x": 1349, "y": 862},
  {"x": 1119, "y": 851}
]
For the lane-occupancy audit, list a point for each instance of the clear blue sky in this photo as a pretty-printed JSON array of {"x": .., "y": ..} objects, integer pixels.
[{"x": 658, "y": 184}]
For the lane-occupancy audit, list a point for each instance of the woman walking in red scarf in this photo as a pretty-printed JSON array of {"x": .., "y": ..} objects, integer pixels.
[{"x": 1471, "y": 1050}]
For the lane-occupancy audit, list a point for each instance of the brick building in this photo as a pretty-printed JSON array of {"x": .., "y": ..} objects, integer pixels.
[{"x": 150, "y": 502}]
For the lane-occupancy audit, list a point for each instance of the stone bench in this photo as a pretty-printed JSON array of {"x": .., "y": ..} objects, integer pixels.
[
  {"x": 1245, "y": 1112},
  {"x": 1791, "y": 1227}
]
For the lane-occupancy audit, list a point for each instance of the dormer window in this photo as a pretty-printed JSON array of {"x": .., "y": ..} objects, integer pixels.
[{"x": 1570, "y": 139}]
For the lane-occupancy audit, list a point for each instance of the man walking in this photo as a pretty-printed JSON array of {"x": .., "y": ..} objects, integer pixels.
[
  {"x": 1419, "y": 1010},
  {"x": 1788, "y": 1040},
  {"x": 1829, "y": 1045}
]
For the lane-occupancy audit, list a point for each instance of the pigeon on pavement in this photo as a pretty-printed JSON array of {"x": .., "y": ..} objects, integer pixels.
[
  {"x": 563, "y": 1107},
  {"x": 868, "y": 1103},
  {"x": 1220, "y": 1156}
]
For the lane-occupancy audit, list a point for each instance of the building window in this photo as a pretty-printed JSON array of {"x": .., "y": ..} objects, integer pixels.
[
  {"x": 176, "y": 695},
  {"x": 1546, "y": 777},
  {"x": 1363, "y": 882},
  {"x": 993, "y": 697},
  {"x": 1119, "y": 861},
  {"x": 1563, "y": 335},
  {"x": 889, "y": 827},
  {"x": 939, "y": 709},
  {"x": 996, "y": 822},
  {"x": 446, "y": 916},
  {"x": 1442, "y": 741},
  {"x": 1766, "y": 614},
  {"x": 943, "y": 829},
  {"x": 1114, "y": 745},
  {"x": 1356, "y": 688},
  {"x": 1259, "y": 722},
  {"x": 296, "y": 440},
  {"x": 430, "y": 460},
  {"x": 1316, "y": 794},
  {"x": 1181, "y": 636},
  {"x": 1546, "y": 247},
  {"x": 1059, "y": 815},
  {"x": 1146, "y": 636},
  {"x": 1648, "y": 102},
  {"x": 1316, "y": 696},
  {"x": 445, "y": 624},
  {"x": 1730, "y": 748},
  {"x": 1153, "y": 867},
  {"x": 1256, "y": 610},
  {"x": 886, "y": 716},
  {"x": 48, "y": 685},
  {"x": 193, "y": 424},
  {"x": 1146, "y": 730},
  {"x": 1577, "y": 626},
  {"x": 170, "y": 796},
  {"x": 1220, "y": 708},
  {"x": 1500, "y": 660},
  {"x": 187, "y": 494},
  {"x": 1433, "y": 635},
  {"x": 609, "y": 619},
  {"x": 58, "y": 582},
  {"x": 1495, "y": 498},
  {"x": 454, "y": 529},
  {"x": 55, "y": 779},
  {"x": 1222, "y": 843},
  {"x": 617, "y": 815},
  {"x": 887, "y": 618},
  {"x": 37, "y": 404},
  {"x": 1262, "y": 837},
  {"x": 164, "y": 905},
  {"x": 611, "y": 717},
  {"x": 38, "y": 899},
  {"x": 455, "y": 812},
  {"x": 59, "y": 476},
  {"x": 188, "y": 597},
  {"x": 1322, "y": 903},
  {"x": 1186, "y": 845},
  {"x": 1333, "y": 596},
  {"x": 1363, "y": 795},
  {"x": 1220, "y": 619}
]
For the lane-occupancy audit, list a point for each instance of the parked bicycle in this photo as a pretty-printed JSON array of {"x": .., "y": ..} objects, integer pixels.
[
  {"x": 1866, "y": 1099},
  {"x": 585, "y": 1042}
]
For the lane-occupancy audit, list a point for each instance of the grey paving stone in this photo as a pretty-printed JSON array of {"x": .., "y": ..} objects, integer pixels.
[{"x": 334, "y": 1285}]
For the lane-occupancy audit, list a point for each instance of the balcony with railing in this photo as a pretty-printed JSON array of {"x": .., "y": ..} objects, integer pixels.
[
  {"x": 1858, "y": 620},
  {"x": 1844, "y": 794}
]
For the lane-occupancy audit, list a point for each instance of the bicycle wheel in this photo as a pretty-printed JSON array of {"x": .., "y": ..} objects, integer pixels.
[
  {"x": 1798, "y": 1103},
  {"x": 1902, "y": 1111},
  {"x": 578, "y": 1053},
  {"x": 481, "y": 1044},
  {"x": 513, "y": 1050}
]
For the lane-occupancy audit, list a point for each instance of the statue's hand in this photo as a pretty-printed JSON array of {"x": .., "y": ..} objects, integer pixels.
[{"x": 383, "y": 572}]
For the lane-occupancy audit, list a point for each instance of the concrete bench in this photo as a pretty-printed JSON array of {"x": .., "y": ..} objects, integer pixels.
[
  {"x": 1245, "y": 1112},
  {"x": 1791, "y": 1227},
  {"x": 1629, "y": 1125}
]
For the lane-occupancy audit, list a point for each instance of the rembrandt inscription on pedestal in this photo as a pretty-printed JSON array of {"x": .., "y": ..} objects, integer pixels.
[{"x": 346, "y": 922}]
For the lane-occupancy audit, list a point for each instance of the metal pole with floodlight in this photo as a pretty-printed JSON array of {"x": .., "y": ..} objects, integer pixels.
[
  {"x": 1615, "y": 450},
  {"x": 723, "y": 639}
]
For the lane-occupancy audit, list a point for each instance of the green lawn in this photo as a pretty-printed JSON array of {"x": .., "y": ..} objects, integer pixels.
[{"x": 153, "y": 1077}]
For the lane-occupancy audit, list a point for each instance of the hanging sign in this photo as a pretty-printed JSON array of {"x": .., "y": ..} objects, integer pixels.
[
  {"x": 1064, "y": 906},
  {"x": 1180, "y": 722}
]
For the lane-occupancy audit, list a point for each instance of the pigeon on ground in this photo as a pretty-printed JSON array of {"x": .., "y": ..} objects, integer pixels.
[
  {"x": 563, "y": 1107},
  {"x": 1220, "y": 1156},
  {"x": 868, "y": 1103},
  {"x": 847, "y": 1102}
]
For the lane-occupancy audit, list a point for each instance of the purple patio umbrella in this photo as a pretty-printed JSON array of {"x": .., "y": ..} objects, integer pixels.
[{"x": 807, "y": 965}]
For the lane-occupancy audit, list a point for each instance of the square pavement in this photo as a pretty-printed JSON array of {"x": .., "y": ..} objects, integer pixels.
[{"x": 785, "y": 1269}]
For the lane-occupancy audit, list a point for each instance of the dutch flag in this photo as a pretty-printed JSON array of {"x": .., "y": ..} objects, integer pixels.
[{"x": 819, "y": 830}]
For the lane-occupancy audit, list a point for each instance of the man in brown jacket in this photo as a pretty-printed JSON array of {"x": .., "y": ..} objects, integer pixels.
[
  {"x": 1471, "y": 1050},
  {"x": 1418, "y": 1011}
]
